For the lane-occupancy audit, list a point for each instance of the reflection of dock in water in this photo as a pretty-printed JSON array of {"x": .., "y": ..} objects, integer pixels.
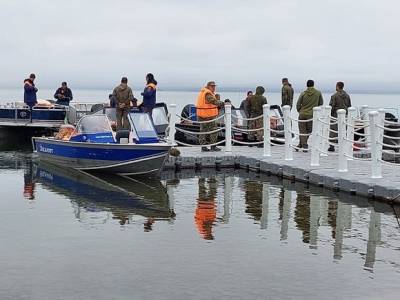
[
  {"x": 290, "y": 212},
  {"x": 124, "y": 197},
  {"x": 324, "y": 218}
]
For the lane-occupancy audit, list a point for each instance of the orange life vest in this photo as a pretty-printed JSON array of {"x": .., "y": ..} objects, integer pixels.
[
  {"x": 152, "y": 85},
  {"x": 203, "y": 108}
]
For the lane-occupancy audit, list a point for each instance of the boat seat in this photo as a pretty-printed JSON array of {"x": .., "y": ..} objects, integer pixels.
[{"x": 123, "y": 133}]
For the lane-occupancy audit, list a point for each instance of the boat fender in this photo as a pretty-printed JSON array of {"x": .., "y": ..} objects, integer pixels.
[{"x": 174, "y": 152}]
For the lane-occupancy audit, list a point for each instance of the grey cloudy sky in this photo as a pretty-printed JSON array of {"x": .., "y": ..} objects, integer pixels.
[{"x": 185, "y": 43}]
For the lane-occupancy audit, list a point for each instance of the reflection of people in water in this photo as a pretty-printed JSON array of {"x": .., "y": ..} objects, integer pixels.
[
  {"x": 302, "y": 215},
  {"x": 29, "y": 184},
  {"x": 253, "y": 198},
  {"x": 148, "y": 225},
  {"x": 121, "y": 215},
  {"x": 206, "y": 213}
]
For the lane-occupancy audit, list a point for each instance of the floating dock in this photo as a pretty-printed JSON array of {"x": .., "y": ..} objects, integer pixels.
[{"x": 357, "y": 180}]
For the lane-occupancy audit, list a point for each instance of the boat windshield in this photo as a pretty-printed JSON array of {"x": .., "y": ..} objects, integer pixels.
[
  {"x": 143, "y": 126},
  {"x": 159, "y": 116},
  {"x": 93, "y": 124}
]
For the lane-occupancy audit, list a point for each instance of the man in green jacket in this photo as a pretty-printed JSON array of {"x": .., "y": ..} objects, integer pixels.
[
  {"x": 308, "y": 99},
  {"x": 123, "y": 95},
  {"x": 339, "y": 100},
  {"x": 287, "y": 93},
  {"x": 255, "y": 107}
]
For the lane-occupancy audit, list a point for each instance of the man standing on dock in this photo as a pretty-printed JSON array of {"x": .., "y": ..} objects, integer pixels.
[
  {"x": 308, "y": 99},
  {"x": 287, "y": 93},
  {"x": 207, "y": 109},
  {"x": 256, "y": 103},
  {"x": 30, "y": 91},
  {"x": 339, "y": 100},
  {"x": 123, "y": 95}
]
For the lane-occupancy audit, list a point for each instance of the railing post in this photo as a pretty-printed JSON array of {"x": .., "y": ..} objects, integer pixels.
[
  {"x": 316, "y": 131},
  {"x": 364, "y": 116},
  {"x": 376, "y": 168},
  {"x": 267, "y": 130},
  {"x": 342, "y": 160},
  {"x": 325, "y": 129},
  {"x": 351, "y": 115},
  {"x": 228, "y": 128},
  {"x": 380, "y": 131},
  {"x": 288, "y": 132},
  {"x": 172, "y": 121}
]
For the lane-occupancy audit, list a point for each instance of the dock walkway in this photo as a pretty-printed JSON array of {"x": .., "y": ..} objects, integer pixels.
[{"x": 356, "y": 181}]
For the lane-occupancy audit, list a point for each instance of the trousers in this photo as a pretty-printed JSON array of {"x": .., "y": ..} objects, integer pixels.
[
  {"x": 305, "y": 128},
  {"x": 122, "y": 118},
  {"x": 204, "y": 127}
]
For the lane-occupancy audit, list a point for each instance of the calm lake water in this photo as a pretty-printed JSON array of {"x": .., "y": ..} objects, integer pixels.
[
  {"x": 181, "y": 98},
  {"x": 226, "y": 235}
]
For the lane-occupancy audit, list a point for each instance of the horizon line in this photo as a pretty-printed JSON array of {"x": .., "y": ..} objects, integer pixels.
[{"x": 223, "y": 89}]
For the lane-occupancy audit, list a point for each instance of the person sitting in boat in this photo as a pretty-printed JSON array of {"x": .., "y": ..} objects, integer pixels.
[
  {"x": 149, "y": 94},
  {"x": 63, "y": 94},
  {"x": 228, "y": 101},
  {"x": 30, "y": 91}
]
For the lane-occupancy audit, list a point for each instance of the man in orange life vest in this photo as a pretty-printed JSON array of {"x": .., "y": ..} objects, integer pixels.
[{"x": 207, "y": 109}]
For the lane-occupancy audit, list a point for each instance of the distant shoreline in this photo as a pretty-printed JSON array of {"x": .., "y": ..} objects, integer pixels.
[{"x": 221, "y": 89}]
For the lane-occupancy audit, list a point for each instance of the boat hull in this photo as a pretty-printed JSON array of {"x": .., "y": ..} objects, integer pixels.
[{"x": 123, "y": 159}]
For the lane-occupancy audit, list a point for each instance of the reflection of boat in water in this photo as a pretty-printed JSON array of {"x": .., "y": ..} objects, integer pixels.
[{"x": 122, "y": 196}]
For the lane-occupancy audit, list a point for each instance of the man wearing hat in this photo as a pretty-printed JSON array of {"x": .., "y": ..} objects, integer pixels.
[
  {"x": 30, "y": 91},
  {"x": 287, "y": 93},
  {"x": 63, "y": 94},
  {"x": 207, "y": 109}
]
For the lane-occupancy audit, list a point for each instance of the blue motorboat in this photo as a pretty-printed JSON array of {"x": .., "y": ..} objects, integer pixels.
[{"x": 93, "y": 146}]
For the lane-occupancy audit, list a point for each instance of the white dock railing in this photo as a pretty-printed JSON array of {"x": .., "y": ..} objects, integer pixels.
[{"x": 367, "y": 133}]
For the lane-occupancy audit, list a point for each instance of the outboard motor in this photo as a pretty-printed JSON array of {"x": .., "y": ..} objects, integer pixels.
[
  {"x": 189, "y": 112},
  {"x": 96, "y": 107}
]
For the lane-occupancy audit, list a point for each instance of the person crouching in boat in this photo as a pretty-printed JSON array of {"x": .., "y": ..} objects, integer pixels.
[
  {"x": 149, "y": 95},
  {"x": 207, "y": 109},
  {"x": 123, "y": 95},
  {"x": 63, "y": 95},
  {"x": 30, "y": 91}
]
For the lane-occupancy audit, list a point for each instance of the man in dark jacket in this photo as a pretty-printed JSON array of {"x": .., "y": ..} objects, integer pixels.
[
  {"x": 308, "y": 99},
  {"x": 123, "y": 95},
  {"x": 245, "y": 104},
  {"x": 287, "y": 93},
  {"x": 339, "y": 100},
  {"x": 256, "y": 103},
  {"x": 30, "y": 91},
  {"x": 63, "y": 94}
]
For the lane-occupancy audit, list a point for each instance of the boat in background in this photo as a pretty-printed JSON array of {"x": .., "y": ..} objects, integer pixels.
[
  {"x": 19, "y": 122},
  {"x": 93, "y": 146},
  {"x": 189, "y": 118}
]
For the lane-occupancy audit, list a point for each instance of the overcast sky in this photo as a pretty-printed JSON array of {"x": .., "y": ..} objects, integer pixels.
[{"x": 185, "y": 43}]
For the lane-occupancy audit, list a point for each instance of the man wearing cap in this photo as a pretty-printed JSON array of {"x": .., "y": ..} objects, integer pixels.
[
  {"x": 308, "y": 99},
  {"x": 30, "y": 91},
  {"x": 339, "y": 100},
  {"x": 287, "y": 93},
  {"x": 63, "y": 94},
  {"x": 123, "y": 95},
  {"x": 207, "y": 109}
]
